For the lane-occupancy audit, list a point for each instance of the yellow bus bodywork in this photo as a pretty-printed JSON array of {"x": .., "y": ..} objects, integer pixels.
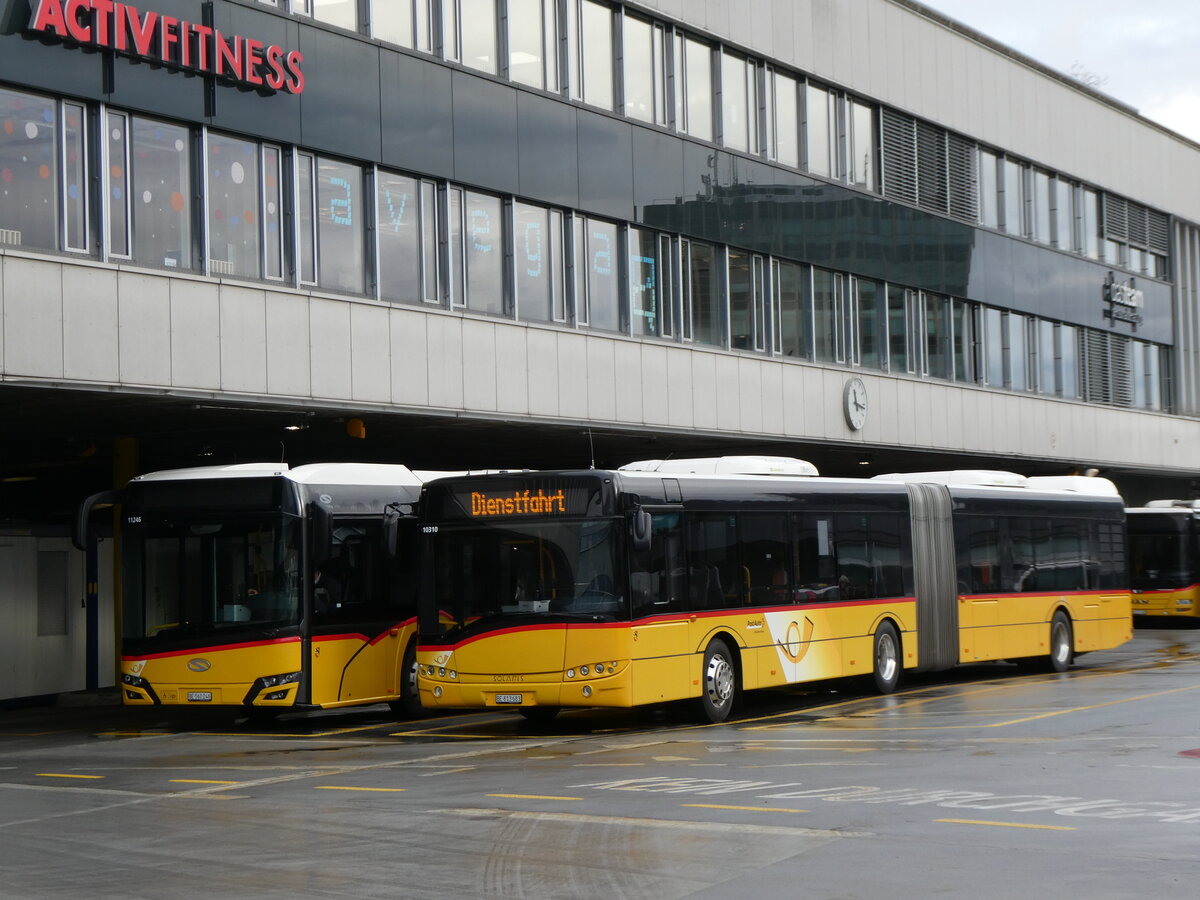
[
  {"x": 347, "y": 670},
  {"x": 1181, "y": 602},
  {"x": 660, "y": 659}
]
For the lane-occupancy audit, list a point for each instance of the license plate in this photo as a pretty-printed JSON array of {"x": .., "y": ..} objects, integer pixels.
[
  {"x": 509, "y": 698},
  {"x": 199, "y": 696}
]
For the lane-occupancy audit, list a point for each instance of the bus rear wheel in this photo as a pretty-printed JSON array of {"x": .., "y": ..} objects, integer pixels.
[
  {"x": 1062, "y": 646},
  {"x": 718, "y": 688},
  {"x": 886, "y": 656}
]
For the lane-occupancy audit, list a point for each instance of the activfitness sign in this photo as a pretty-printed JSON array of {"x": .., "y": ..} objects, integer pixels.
[{"x": 169, "y": 41}]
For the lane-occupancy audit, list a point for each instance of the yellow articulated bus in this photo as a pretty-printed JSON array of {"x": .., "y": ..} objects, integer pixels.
[
  {"x": 268, "y": 587},
  {"x": 701, "y": 579},
  {"x": 1164, "y": 558}
]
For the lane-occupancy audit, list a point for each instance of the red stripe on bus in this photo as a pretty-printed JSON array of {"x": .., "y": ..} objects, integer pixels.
[{"x": 212, "y": 648}]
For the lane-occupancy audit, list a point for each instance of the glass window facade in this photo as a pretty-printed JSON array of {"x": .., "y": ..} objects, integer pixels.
[
  {"x": 234, "y": 215},
  {"x": 538, "y": 263},
  {"x": 29, "y": 171},
  {"x": 693, "y": 88},
  {"x": 784, "y": 119},
  {"x": 533, "y": 43},
  {"x": 161, "y": 201},
  {"x": 340, "y": 239},
  {"x": 590, "y": 52},
  {"x": 739, "y": 103},
  {"x": 645, "y": 71}
]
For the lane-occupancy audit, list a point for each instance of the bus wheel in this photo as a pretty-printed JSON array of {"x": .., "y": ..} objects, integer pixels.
[
  {"x": 1061, "y": 643},
  {"x": 538, "y": 713},
  {"x": 719, "y": 682},
  {"x": 409, "y": 704},
  {"x": 887, "y": 659}
]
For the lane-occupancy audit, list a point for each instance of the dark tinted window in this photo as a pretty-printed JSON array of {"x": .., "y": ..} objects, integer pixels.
[
  {"x": 714, "y": 578},
  {"x": 656, "y": 577},
  {"x": 765, "y": 559}
]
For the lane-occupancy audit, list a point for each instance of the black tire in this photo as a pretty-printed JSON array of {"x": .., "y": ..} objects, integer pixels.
[
  {"x": 1062, "y": 643},
  {"x": 887, "y": 665},
  {"x": 409, "y": 704},
  {"x": 718, "y": 682},
  {"x": 538, "y": 713}
]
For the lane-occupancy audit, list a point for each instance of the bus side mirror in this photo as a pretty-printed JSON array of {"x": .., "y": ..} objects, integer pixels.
[
  {"x": 640, "y": 527},
  {"x": 391, "y": 529},
  {"x": 321, "y": 514},
  {"x": 79, "y": 535}
]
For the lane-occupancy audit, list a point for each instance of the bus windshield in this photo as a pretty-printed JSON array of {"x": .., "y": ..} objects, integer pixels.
[
  {"x": 484, "y": 576},
  {"x": 1159, "y": 558},
  {"x": 189, "y": 574}
]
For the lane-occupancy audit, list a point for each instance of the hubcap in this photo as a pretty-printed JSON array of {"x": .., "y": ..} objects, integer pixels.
[
  {"x": 885, "y": 658},
  {"x": 1062, "y": 648},
  {"x": 718, "y": 680}
]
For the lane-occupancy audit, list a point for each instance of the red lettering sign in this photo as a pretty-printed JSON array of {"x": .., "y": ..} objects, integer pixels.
[{"x": 121, "y": 27}]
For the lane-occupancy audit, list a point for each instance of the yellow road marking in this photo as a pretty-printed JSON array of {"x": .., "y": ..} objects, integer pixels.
[
  {"x": 348, "y": 787},
  {"x": 1062, "y": 712},
  {"x": 1007, "y": 824},
  {"x": 767, "y": 809},
  {"x": 531, "y": 797},
  {"x": 61, "y": 775},
  {"x": 198, "y": 781}
]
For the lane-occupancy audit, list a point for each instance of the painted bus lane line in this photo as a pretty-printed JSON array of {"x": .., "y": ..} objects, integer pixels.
[{"x": 1166, "y": 811}]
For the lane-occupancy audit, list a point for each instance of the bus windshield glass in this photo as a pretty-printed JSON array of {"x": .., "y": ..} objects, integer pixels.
[
  {"x": 199, "y": 574},
  {"x": 1159, "y": 557},
  {"x": 485, "y": 576}
]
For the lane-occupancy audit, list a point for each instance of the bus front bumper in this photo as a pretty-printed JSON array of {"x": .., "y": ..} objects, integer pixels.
[{"x": 438, "y": 693}]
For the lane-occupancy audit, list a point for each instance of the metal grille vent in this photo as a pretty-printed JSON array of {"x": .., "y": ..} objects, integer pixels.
[
  {"x": 931, "y": 167},
  {"x": 899, "y": 156},
  {"x": 1138, "y": 227},
  {"x": 1116, "y": 218},
  {"x": 1158, "y": 232},
  {"x": 964, "y": 178},
  {"x": 1096, "y": 372}
]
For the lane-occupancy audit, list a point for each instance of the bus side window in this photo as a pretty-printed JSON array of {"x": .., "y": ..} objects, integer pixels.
[
  {"x": 715, "y": 579},
  {"x": 656, "y": 576},
  {"x": 765, "y": 559},
  {"x": 815, "y": 564}
]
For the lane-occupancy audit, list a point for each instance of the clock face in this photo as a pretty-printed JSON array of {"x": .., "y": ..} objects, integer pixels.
[{"x": 855, "y": 399}]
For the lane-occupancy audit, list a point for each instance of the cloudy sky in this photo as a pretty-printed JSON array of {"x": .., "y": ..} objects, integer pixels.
[{"x": 1145, "y": 53}]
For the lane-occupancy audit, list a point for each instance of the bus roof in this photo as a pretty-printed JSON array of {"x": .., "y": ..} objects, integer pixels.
[
  {"x": 780, "y": 466},
  {"x": 312, "y": 473}
]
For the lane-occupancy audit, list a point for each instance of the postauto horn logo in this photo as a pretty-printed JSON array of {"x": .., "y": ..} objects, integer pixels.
[{"x": 199, "y": 665}]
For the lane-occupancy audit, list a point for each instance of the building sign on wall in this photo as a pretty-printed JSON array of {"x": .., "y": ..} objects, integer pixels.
[
  {"x": 169, "y": 41},
  {"x": 1125, "y": 301}
]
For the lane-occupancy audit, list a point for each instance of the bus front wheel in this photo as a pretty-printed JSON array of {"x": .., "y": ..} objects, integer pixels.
[
  {"x": 718, "y": 682},
  {"x": 887, "y": 667},
  {"x": 409, "y": 704},
  {"x": 1062, "y": 648}
]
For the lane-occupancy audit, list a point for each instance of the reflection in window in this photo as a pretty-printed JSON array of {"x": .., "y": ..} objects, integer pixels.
[
  {"x": 650, "y": 297},
  {"x": 820, "y": 131},
  {"x": 1090, "y": 221},
  {"x": 117, "y": 182},
  {"x": 872, "y": 315},
  {"x": 993, "y": 346},
  {"x": 161, "y": 201},
  {"x": 1067, "y": 360},
  {"x": 477, "y": 19},
  {"x": 1047, "y": 363},
  {"x": 1064, "y": 214},
  {"x": 962, "y": 323},
  {"x": 1040, "y": 207},
  {"x": 596, "y": 267},
  {"x": 937, "y": 336},
  {"x": 477, "y": 252},
  {"x": 989, "y": 189},
  {"x": 28, "y": 171},
  {"x": 233, "y": 221},
  {"x": 404, "y": 228},
  {"x": 306, "y": 217},
  {"x": 272, "y": 211},
  {"x": 1014, "y": 200},
  {"x": 898, "y": 332},
  {"x": 343, "y": 13},
  {"x": 538, "y": 261},
  {"x": 701, "y": 298},
  {"x": 74, "y": 189},
  {"x": 340, "y": 226},
  {"x": 825, "y": 314},
  {"x": 793, "y": 309},
  {"x": 533, "y": 43},
  {"x": 645, "y": 71},
  {"x": 693, "y": 88},
  {"x": 590, "y": 52},
  {"x": 739, "y": 103},
  {"x": 1015, "y": 352},
  {"x": 747, "y": 302},
  {"x": 862, "y": 149},
  {"x": 783, "y": 119}
]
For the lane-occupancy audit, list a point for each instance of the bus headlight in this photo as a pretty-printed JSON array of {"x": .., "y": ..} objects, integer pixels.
[
  {"x": 570, "y": 673},
  {"x": 587, "y": 690}
]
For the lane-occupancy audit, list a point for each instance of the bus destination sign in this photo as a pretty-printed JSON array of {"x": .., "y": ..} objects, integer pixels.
[{"x": 517, "y": 503}]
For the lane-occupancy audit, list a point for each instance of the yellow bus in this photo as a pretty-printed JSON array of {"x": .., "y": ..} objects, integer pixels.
[
  {"x": 1164, "y": 558},
  {"x": 700, "y": 579},
  {"x": 267, "y": 587}
]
